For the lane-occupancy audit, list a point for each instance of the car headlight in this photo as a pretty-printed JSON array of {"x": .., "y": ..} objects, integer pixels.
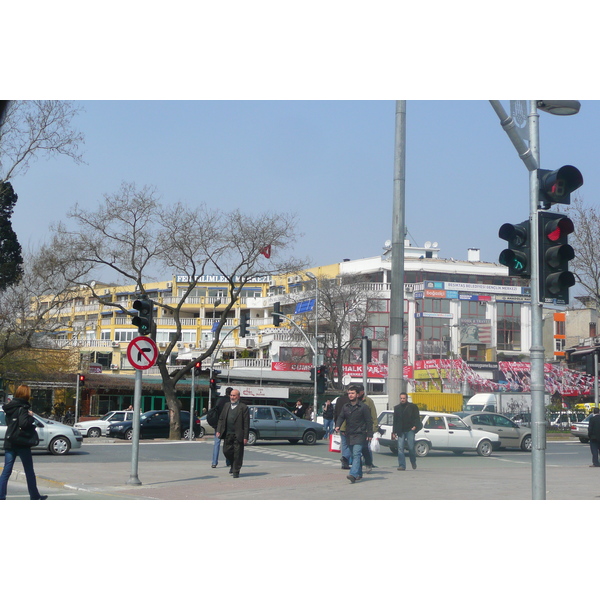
[{"x": 75, "y": 432}]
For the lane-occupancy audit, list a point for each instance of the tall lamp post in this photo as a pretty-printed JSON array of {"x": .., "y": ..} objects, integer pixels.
[{"x": 316, "y": 352}]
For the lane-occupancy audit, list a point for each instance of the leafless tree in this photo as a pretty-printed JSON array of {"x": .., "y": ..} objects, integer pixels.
[
  {"x": 137, "y": 236},
  {"x": 586, "y": 243}
]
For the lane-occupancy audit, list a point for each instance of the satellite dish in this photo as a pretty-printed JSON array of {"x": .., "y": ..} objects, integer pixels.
[
  {"x": 427, "y": 244},
  {"x": 388, "y": 244},
  {"x": 435, "y": 245}
]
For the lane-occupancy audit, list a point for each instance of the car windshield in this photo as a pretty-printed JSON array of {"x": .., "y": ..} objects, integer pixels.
[{"x": 106, "y": 416}]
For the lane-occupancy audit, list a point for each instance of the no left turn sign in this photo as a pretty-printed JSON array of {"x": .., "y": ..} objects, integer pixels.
[{"x": 142, "y": 353}]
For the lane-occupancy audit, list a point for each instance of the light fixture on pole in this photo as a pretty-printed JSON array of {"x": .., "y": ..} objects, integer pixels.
[{"x": 316, "y": 352}]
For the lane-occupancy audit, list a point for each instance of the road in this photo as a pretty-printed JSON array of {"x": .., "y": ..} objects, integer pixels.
[{"x": 280, "y": 471}]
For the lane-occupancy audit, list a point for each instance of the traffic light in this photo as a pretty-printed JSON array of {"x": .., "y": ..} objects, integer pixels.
[
  {"x": 518, "y": 255},
  {"x": 369, "y": 349},
  {"x": 214, "y": 381},
  {"x": 312, "y": 373},
  {"x": 276, "y": 317},
  {"x": 321, "y": 379},
  {"x": 556, "y": 186},
  {"x": 555, "y": 254},
  {"x": 145, "y": 319},
  {"x": 81, "y": 380},
  {"x": 197, "y": 368},
  {"x": 244, "y": 324}
]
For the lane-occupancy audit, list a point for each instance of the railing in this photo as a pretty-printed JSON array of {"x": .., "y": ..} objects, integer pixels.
[{"x": 250, "y": 363}]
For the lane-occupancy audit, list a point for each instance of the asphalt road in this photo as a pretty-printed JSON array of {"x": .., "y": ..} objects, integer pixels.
[{"x": 280, "y": 471}]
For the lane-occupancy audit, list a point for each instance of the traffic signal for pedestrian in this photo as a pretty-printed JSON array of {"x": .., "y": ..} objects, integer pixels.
[
  {"x": 556, "y": 186},
  {"x": 517, "y": 257},
  {"x": 321, "y": 379},
  {"x": 197, "y": 368},
  {"x": 555, "y": 254},
  {"x": 81, "y": 380},
  {"x": 214, "y": 381},
  {"x": 244, "y": 324},
  {"x": 276, "y": 313},
  {"x": 369, "y": 349},
  {"x": 145, "y": 319}
]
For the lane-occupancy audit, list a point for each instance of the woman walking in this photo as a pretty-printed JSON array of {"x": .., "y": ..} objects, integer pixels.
[{"x": 20, "y": 437}]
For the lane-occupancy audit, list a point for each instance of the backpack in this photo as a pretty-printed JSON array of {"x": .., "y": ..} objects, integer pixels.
[{"x": 212, "y": 416}]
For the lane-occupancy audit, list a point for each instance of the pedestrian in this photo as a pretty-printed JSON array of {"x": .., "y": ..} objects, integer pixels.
[
  {"x": 594, "y": 435},
  {"x": 20, "y": 428},
  {"x": 346, "y": 457},
  {"x": 234, "y": 428},
  {"x": 359, "y": 426},
  {"x": 299, "y": 409},
  {"x": 407, "y": 421},
  {"x": 328, "y": 418},
  {"x": 368, "y": 455},
  {"x": 308, "y": 413},
  {"x": 217, "y": 442}
]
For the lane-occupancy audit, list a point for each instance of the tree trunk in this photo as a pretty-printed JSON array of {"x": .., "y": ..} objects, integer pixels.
[{"x": 173, "y": 403}]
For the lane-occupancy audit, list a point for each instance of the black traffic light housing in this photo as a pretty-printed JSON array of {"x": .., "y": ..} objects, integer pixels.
[
  {"x": 369, "y": 349},
  {"x": 244, "y": 324},
  {"x": 555, "y": 254},
  {"x": 81, "y": 379},
  {"x": 214, "y": 381},
  {"x": 556, "y": 186},
  {"x": 197, "y": 368},
  {"x": 145, "y": 317},
  {"x": 321, "y": 379},
  {"x": 517, "y": 257},
  {"x": 276, "y": 317}
]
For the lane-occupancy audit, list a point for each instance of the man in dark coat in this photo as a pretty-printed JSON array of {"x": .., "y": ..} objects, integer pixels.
[
  {"x": 359, "y": 429},
  {"x": 594, "y": 435},
  {"x": 407, "y": 421},
  {"x": 217, "y": 441},
  {"x": 234, "y": 428}
]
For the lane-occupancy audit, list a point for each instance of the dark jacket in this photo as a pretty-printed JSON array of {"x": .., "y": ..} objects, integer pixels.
[
  {"x": 406, "y": 416},
  {"x": 594, "y": 428},
  {"x": 358, "y": 421},
  {"x": 328, "y": 411},
  {"x": 241, "y": 423},
  {"x": 17, "y": 417}
]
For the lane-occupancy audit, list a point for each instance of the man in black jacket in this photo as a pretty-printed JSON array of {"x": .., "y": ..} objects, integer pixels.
[
  {"x": 234, "y": 428},
  {"x": 407, "y": 421},
  {"x": 359, "y": 429},
  {"x": 594, "y": 435}
]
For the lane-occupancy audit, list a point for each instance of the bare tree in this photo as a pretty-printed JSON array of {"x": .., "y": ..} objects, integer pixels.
[
  {"x": 136, "y": 236},
  {"x": 586, "y": 243}
]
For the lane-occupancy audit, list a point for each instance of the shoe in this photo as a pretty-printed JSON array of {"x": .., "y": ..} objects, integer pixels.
[
  {"x": 594, "y": 465},
  {"x": 231, "y": 470},
  {"x": 358, "y": 478},
  {"x": 42, "y": 498},
  {"x": 236, "y": 475},
  {"x": 213, "y": 466},
  {"x": 368, "y": 469},
  {"x": 345, "y": 464},
  {"x": 401, "y": 468},
  {"x": 413, "y": 465},
  {"x": 351, "y": 478}
]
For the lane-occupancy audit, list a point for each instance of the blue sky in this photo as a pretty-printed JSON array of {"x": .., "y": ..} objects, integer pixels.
[{"x": 331, "y": 162}]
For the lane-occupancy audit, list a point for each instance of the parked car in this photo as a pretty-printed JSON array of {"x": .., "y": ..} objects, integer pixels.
[
  {"x": 278, "y": 423},
  {"x": 98, "y": 427},
  {"x": 564, "y": 420},
  {"x": 153, "y": 424},
  {"x": 55, "y": 438},
  {"x": 580, "y": 430},
  {"x": 205, "y": 428},
  {"x": 511, "y": 435},
  {"x": 441, "y": 431}
]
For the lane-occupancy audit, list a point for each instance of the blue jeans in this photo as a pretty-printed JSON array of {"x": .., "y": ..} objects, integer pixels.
[
  {"x": 9, "y": 460},
  {"x": 328, "y": 427},
  {"x": 409, "y": 438},
  {"x": 346, "y": 451},
  {"x": 216, "y": 447},
  {"x": 356, "y": 468}
]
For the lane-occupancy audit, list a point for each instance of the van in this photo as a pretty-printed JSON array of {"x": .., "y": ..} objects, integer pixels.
[{"x": 481, "y": 403}]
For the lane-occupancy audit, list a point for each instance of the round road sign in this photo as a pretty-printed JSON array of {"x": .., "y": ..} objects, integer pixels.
[{"x": 142, "y": 352}]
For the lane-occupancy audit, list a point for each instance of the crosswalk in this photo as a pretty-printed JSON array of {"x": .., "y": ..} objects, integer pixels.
[{"x": 292, "y": 455}]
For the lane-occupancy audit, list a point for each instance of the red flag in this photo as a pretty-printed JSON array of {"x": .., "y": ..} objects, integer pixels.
[{"x": 266, "y": 251}]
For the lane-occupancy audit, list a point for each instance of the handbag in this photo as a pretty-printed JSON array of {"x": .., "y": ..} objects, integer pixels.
[
  {"x": 26, "y": 437},
  {"x": 335, "y": 442},
  {"x": 375, "y": 445}
]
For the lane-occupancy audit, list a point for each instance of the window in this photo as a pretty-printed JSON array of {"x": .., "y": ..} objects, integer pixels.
[
  {"x": 456, "y": 423},
  {"x": 263, "y": 413},
  {"x": 125, "y": 336},
  {"x": 509, "y": 326},
  {"x": 435, "y": 423},
  {"x": 281, "y": 414}
]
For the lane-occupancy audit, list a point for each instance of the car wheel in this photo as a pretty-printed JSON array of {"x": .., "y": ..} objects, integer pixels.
[
  {"x": 129, "y": 434},
  {"x": 293, "y": 441},
  {"x": 527, "y": 444},
  {"x": 59, "y": 445},
  {"x": 251, "y": 438},
  {"x": 186, "y": 434},
  {"x": 309, "y": 438},
  {"x": 394, "y": 448},
  {"x": 94, "y": 432},
  {"x": 584, "y": 440},
  {"x": 202, "y": 432},
  {"x": 484, "y": 448},
  {"x": 422, "y": 448}
]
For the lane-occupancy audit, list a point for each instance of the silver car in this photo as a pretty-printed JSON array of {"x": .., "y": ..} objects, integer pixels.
[
  {"x": 580, "y": 430},
  {"x": 511, "y": 435},
  {"x": 98, "y": 427},
  {"x": 55, "y": 438}
]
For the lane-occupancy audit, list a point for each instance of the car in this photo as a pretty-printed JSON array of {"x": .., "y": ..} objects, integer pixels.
[
  {"x": 97, "y": 427},
  {"x": 278, "y": 423},
  {"x": 511, "y": 435},
  {"x": 580, "y": 430},
  {"x": 441, "y": 431},
  {"x": 564, "y": 420},
  {"x": 56, "y": 438},
  {"x": 153, "y": 424},
  {"x": 205, "y": 428}
]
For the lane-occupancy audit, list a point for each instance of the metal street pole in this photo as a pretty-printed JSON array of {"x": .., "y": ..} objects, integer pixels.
[
  {"x": 193, "y": 393},
  {"x": 395, "y": 381},
  {"x": 315, "y": 353},
  {"x": 135, "y": 442}
]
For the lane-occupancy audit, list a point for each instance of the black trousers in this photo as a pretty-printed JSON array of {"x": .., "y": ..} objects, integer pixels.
[
  {"x": 233, "y": 450},
  {"x": 594, "y": 445}
]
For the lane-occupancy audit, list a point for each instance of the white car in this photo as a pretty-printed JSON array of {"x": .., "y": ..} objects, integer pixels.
[
  {"x": 98, "y": 427},
  {"x": 55, "y": 437},
  {"x": 441, "y": 431}
]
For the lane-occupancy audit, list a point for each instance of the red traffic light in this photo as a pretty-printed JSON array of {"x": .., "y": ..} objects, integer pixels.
[{"x": 555, "y": 229}]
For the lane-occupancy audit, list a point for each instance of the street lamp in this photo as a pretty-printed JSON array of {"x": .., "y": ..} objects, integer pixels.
[
  {"x": 316, "y": 352},
  {"x": 559, "y": 107}
]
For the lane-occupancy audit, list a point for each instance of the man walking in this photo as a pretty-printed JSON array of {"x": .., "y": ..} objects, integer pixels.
[
  {"x": 346, "y": 457},
  {"x": 359, "y": 426},
  {"x": 233, "y": 428},
  {"x": 594, "y": 435},
  {"x": 367, "y": 447},
  {"x": 407, "y": 421},
  {"x": 217, "y": 441}
]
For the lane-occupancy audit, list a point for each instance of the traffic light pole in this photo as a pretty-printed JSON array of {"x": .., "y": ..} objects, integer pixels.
[{"x": 135, "y": 442}]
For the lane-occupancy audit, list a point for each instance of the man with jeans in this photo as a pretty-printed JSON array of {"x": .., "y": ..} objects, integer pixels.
[
  {"x": 407, "y": 421},
  {"x": 359, "y": 427}
]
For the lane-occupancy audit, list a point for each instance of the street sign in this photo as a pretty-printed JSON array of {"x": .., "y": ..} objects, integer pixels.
[{"x": 142, "y": 353}]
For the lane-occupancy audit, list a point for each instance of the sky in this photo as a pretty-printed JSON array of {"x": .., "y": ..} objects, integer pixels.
[{"x": 329, "y": 162}]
